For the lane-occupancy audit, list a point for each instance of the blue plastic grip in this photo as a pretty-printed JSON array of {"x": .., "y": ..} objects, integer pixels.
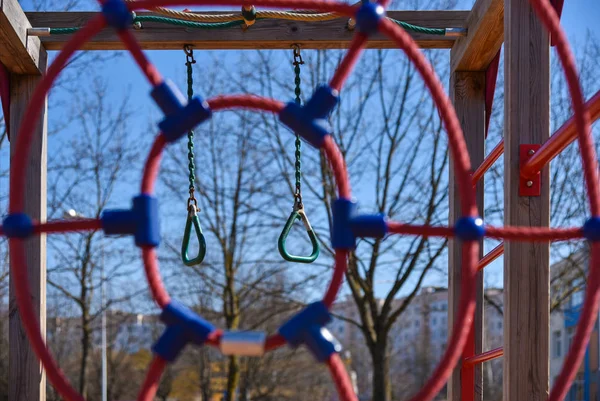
[
  {"x": 368, "y": 17},
  {"x": 321, "y": 343},
  {"x": 117, "y": 14},
  {"x": 17, "y": 225},
  {"x": 177, "y": 124},
  {"x": 141, "y": 221},
  {"x": 170, "y": 343},
  {"x": 310, "y": 121},
  {"x": 147, "y": 231},
  {"x": 184, "y": 326},
  {"x": 307, "y": 328},
  {"x": 369, "y": 226},
  {"x": 342, "y": 211},
  {"x": 469, "y": 228},
  {"x": 322, "y": 102},
  {"x": 168, "y": 97},
  {"x": 315, "y": 314},
  {"x": 591, "y": 229}
]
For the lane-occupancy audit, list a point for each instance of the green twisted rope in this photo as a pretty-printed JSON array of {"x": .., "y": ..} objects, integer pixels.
[
  {"x": 162, "y": 20},
  {"x": 419, "y": 29},
  {"x": 230, "y": 24}
]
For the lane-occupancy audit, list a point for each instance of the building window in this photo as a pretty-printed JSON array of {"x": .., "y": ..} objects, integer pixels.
[
  {"x": 434, "y": 321},
  {"x": 570, "y": 334},
  {"x": 556, "y": 343},
  {"x": 417, "y": 323},
  {"x": 576, "y": 393}
]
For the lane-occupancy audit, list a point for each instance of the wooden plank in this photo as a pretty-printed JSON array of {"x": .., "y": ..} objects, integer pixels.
[
  {"x": 467, "y": 91},
  {"x": 19, "y": 53},
  {"x": 526, "y": 265},
  {"x": 485, "y": 25},
  {"x": 265, "y": 34},
  {"x": 27, "y": 381}
]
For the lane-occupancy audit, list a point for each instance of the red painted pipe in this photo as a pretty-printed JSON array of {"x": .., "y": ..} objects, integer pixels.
[
  {"x": 488, "y": 162},
  {"x": 484, "y": 357},
  {"x": 5, "y": 96},
  {"x": 491, "y": 256},
  {"x": 562, "y": 138}
]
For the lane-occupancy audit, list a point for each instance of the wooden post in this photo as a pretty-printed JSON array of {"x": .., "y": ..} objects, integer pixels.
[
  {"x": 467, "y": 90},
  {"x": 27, "y": 381},
  {"x": 526, "y": 265}
]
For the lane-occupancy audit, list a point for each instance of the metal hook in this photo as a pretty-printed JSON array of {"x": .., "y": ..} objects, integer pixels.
[
  {"x": 189, "y": 52},
  {"x": 297, "y": 56}
]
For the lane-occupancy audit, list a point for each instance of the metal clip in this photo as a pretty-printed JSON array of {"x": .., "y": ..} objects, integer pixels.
[{"x": 297, "y": 56}]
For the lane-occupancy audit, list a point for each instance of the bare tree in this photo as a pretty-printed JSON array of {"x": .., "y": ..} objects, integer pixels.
[
  {"x": 85, "y": 176},
  {"x": 396, "y": 152}
]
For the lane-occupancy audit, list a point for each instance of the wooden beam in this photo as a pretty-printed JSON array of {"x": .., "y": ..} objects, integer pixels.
[
  {"x": 467, "y": 91},
  {"x": 27, "y": 381},
  {"x": 265, "y": 34},
  {"x": 19, "y": 53},
  {"x": 485, "y": 25},
  {"x": 526, "y": 265}
]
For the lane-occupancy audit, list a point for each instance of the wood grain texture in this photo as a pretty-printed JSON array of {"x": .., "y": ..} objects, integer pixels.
[
  {"x": 27, "y": 381},
  {"x": 485, "y": 25},
  {"x": 526, "y": 265},
  {"x": 265, "y": 34},
  {"x": 19, "y": 53},
  {"x": 467, "y": 91}
]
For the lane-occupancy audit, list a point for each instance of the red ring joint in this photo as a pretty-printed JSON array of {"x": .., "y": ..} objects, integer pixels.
[
  {"x": 141, "y": 221},
  {"x": 183, "y": 327},
  {"x": 368, "y": 17},
  {"x": 310, "y": 121},
  {"x": 117, "y": 14},
  {"x": 180, "y": 116},
  {"x": 348, "y": 225},
  {"x": 17, "y": 225},
  {"x": 307, "y": 328}
]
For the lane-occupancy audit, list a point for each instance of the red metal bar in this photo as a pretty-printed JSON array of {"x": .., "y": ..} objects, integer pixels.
[
  {"x": 491, "y": 256},
  {"x": 488, "y": 162},
  {"x": 491, "y": 78},
  {"x": 559, "y": 141},
  {"x": 484, "y": 357},
  {"x": 467, "y": 372},
  {"x": 5, "y": 96}
]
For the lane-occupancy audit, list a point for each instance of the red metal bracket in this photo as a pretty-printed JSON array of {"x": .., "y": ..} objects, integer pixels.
[
  {"x": 5, "y": 96},
  {"x": 529, "y": 186}
]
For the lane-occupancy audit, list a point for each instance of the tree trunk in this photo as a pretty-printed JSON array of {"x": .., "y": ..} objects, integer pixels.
[
  {"x": 233, "y": 378},
  {"x": 85, "y": 349},
  {"x": 382, "y": 390}
]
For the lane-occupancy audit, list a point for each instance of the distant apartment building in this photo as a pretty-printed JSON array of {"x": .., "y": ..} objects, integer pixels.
[{"x": 417, "y": 340}]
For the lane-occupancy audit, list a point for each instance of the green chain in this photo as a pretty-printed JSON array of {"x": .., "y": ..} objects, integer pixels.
[
  {"x": 298, "y": 212},
  {"x": 192, "y": 221},
  {"x": 298, "y": 91},
  {"x": 189, "y": 52}
]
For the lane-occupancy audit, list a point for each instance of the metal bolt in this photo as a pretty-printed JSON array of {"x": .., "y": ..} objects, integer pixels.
[
  {"x": 529, "y": 184},
  {"x": 531, "y": 152}
]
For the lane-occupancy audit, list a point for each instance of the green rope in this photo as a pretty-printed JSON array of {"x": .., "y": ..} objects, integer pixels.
[
  {"x": 163, "y": 20},
  {"x": 419, "y": 29},
  {"x": 230, "y": 24},
  {"x": 298, "y": 91},
  {"x": 187, "y": 24}
]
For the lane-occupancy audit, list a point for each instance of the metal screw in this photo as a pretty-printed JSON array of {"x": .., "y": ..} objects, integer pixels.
[
  {"x": 531, "y": 152},
  {"x": 529, "y": 184}
]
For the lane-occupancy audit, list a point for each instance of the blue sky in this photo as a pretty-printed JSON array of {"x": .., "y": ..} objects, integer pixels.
[{"x": 579, "y": 17}]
